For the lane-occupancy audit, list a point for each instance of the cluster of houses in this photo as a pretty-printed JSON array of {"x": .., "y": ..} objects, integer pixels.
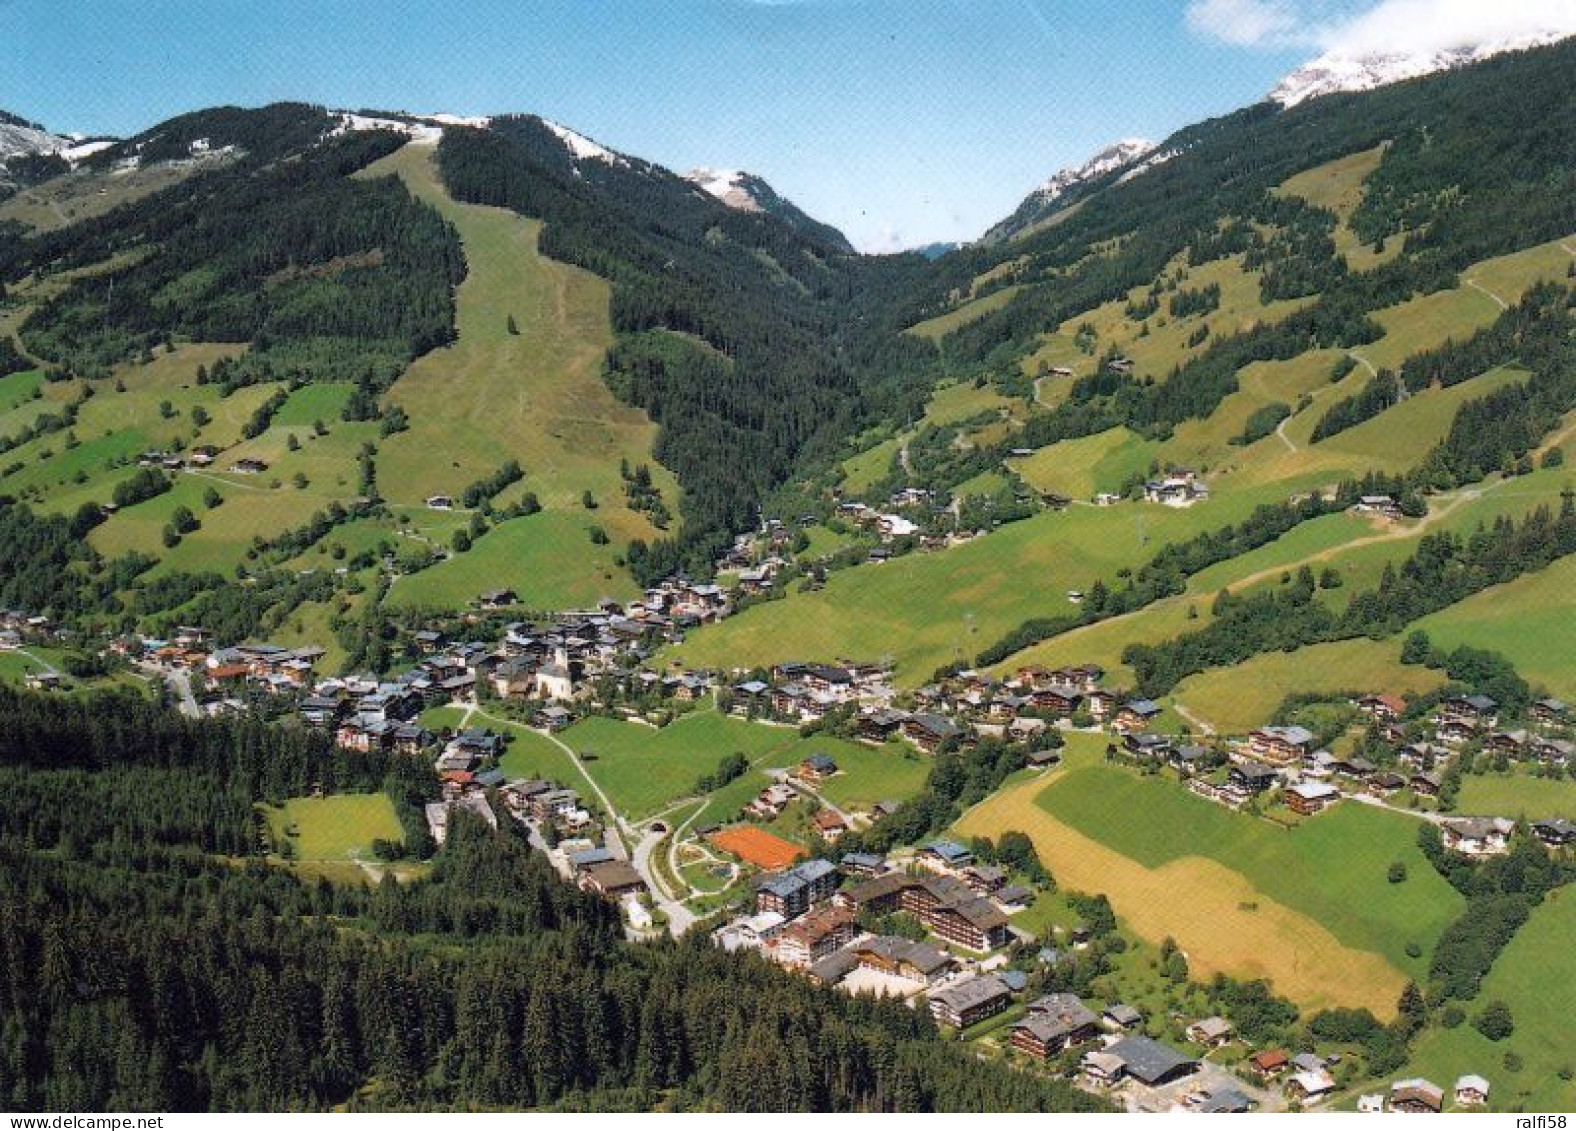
[{"x": 810, "y": 912}]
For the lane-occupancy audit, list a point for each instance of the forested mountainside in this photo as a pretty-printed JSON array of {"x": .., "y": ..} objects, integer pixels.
[
  {"x": 757, "y": 347},
  {"x": 322, "y": 275},
  {"x": 153, "y": 961},
  {"x": 1477, "y": 162}
]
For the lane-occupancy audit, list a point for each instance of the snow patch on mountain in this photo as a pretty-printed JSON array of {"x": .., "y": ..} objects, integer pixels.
[
  {"x": 25, "y": 141},
  {"x": 1342, "y": 71},
  {"x": 423, "y": 129},
  {"x": 583, "y": 147},
  {"x": 731, "y": 186},
  {"x": 1108, "y": 160}
]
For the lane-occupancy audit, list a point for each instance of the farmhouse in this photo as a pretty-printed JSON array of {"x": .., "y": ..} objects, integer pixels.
[
  {"x": 878, "y": 726},
  {"x": 1269, "y": 1063},
  {"x": 1471, "y": 1091},
  {"x": 817, "y": 767},
  {"x": 1211, "y": 1032},
  {"x": 1146, "y": 745},
  {"x": 1477, "y": 836},
  {"x": 1309, "y": 1085},
  {"x": 1549, "y": 711},
  {"x": 968, "y": 1003},
  {"x": 1121, "y": 1016},
  {"x": 829, "y": 823},
  {"x": 1417, "y": 1096},
  {"x": 1386, "y": 708}
]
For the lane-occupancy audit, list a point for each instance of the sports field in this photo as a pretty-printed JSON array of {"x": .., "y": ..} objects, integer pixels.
[
  {"x": 757, "y": 846},
  {"x": 338, "y": 827}
]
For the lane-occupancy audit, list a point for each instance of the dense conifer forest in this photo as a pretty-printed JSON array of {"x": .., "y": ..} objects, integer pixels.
[{"x": 153, "y": 961}]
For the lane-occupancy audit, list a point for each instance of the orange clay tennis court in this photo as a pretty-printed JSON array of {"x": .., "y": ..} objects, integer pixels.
[{"x": 757, "y": 846}]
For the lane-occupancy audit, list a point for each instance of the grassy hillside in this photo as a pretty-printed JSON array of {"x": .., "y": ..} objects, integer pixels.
[
  {"x": 1536, "y": 976},
  {"x": 1310, "y": 908}
]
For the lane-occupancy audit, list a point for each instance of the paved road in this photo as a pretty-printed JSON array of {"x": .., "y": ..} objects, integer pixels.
[
  {"x": 180, "y": 682},
  {"x": 680, "y": 918}
]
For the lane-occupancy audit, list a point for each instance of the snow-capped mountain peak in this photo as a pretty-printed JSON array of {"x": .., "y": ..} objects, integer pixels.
[
  {"x": 733, "y": 187},
  {"x": 1345, "y": 71},
  {"x": 1108, "y": 160}
]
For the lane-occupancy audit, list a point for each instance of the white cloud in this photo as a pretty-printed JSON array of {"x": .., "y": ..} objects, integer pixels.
[
  {"x": 1407, "y": 26},
  {"x": 1248, "y": 23},
  {"x": 1358, "y": 27}
]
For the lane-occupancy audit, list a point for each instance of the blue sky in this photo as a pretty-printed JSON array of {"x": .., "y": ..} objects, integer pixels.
[{"x": 900, "y": 121}]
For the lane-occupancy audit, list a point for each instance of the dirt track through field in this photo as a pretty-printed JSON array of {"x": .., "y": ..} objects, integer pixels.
[{"x": 1221, "y": 922}]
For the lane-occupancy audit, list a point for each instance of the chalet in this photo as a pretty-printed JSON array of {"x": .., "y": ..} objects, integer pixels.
[
  {"x": 814, "y": 935},
  {"x": 1417, "y": 1096},
  {"x": 863, "y": 864},
  {"x": 1154, "y": 747},
  {"x": 1471, "y": 1091},
  {"x": 1455, "y": 732},
  {"x": 1212, "y": 1032},
  {"x": 1043, "y": 759},
  {"x": 1120, "y": 1017},
  {"x": 1555, "y": 751},
  {"x": 944, "y": 857},
  {"x": 1136, "y": 714},
  {"x": 612, "y": 879},
  {"x": 1383, "y": 707},
  {"x": 1308, "y": 797},
  {"x": 829, "y": 824},
  {"x": 1310, "y": 1085},
  {"x": 1511, "y": 742},
  {"x": 1550, "y": 711},
  {"x": 968, "y": 1003},
  {"x": 771, "y": 801},
  {"x": 929, "y": 732},
  {"x": 496, "y": 598},
  {"x": 879, "y": 726},
  {"x": 1353, "y": 767},
  {"x": 753, "y": 932},
  {"x": 1476, "y": 711},
  {"x": 1175, "y": 491},
  {"x": 1269, "y": 1063},
  {"x": 1100, "y": 703},
  {"x": 751, "y": 697},
  {"x": 1026, "y": 728},
  {"x": 984, "y": 878},
  {"x": 553, "y": 717},
  {"x": 1188, "y": 758},
  {"x": 1249, "y": 778},
  {"x": 440, "y": 502},
  {"x": 1107, "y": 499},
  {"x": 1053, "y": 1023},
  {"x": 1281, "y": 746},
  {"x": 817, "y": 767},
  {"x": 795, "y": 891},
  {"x": 1377, "y": 504},
  {"x": 1477, "y": 836},
  {"x": 552, "y": 803},
  {"x": 248, "y": 467},
  {"x": 1556, "y": 832},
  {"x": 1425, "y": 785},
  {"x": 904, "y": 958},
  {"x": 1060, "y": 699},
  {"x": 1147, "y": 1061},
  {"x": 481, "y": 743}
]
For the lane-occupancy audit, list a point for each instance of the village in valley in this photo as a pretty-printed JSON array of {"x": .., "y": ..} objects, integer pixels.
[{"x": 757, "y": 852}]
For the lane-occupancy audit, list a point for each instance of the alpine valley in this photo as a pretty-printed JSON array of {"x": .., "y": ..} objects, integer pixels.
[{"x": 488, "y": 622}]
